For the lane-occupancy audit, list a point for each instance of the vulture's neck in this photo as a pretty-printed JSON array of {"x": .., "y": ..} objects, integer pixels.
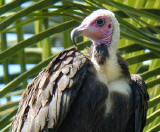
[{"x": 108, "y": 64}]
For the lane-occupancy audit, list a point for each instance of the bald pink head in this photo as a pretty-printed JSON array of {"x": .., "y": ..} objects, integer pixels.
[
  {"x": 102, "y": 27},
  {"x": 98, "y": 27}
]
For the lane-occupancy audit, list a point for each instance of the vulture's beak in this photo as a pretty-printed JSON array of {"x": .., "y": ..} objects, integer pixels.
[{"x": 75, "y": 34}]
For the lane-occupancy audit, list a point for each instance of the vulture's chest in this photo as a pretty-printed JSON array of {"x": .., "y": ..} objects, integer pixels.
[
  {"x": 117, "y": 105},
  {"x": 98, "y": 106},
  {"x": 117, "y": 85},
  {"x": 119, "y": 93}
]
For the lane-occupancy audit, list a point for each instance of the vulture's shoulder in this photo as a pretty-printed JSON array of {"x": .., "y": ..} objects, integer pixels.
[
  {"x": 139, "y": 85},
  {"x": 48, "y": 98},
  {"x": 140, "y": 97}
]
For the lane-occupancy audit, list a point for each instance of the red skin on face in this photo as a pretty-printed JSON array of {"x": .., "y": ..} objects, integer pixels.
[{"x": 96, "y": 33}]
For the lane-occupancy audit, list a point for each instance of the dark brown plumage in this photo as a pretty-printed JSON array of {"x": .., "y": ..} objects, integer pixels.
[
  {"x": 48, "y": 97},
  {"x": 67, "y": 97}
]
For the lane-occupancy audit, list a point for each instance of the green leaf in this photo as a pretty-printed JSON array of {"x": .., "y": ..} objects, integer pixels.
[
  {"x": 32, "y": 40},
  {"x": 38, "y": 5}
]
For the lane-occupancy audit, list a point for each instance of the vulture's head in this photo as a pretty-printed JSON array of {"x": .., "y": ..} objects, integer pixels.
[{"x": 102, "y": 28}]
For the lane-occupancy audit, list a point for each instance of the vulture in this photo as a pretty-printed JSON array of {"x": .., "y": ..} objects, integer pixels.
[{"x": 91, "y": 92}]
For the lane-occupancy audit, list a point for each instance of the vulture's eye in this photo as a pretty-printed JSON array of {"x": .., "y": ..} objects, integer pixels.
[{"x": 100, "y": 22}]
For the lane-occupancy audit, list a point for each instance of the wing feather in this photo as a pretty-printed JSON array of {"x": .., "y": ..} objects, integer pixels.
[
  {"x": 140, "y": 96},
  {"x": 49, "y": 96}
]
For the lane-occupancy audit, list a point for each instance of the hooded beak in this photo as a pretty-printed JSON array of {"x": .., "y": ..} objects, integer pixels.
[{"x": 75, "y": 34}]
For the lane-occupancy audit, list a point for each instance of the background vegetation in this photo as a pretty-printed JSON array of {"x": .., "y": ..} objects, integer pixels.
[{"x": 48, "y": 22}]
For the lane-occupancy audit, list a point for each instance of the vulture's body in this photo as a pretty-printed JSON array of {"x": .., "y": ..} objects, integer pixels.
[{"x": 79, "y": 93}]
